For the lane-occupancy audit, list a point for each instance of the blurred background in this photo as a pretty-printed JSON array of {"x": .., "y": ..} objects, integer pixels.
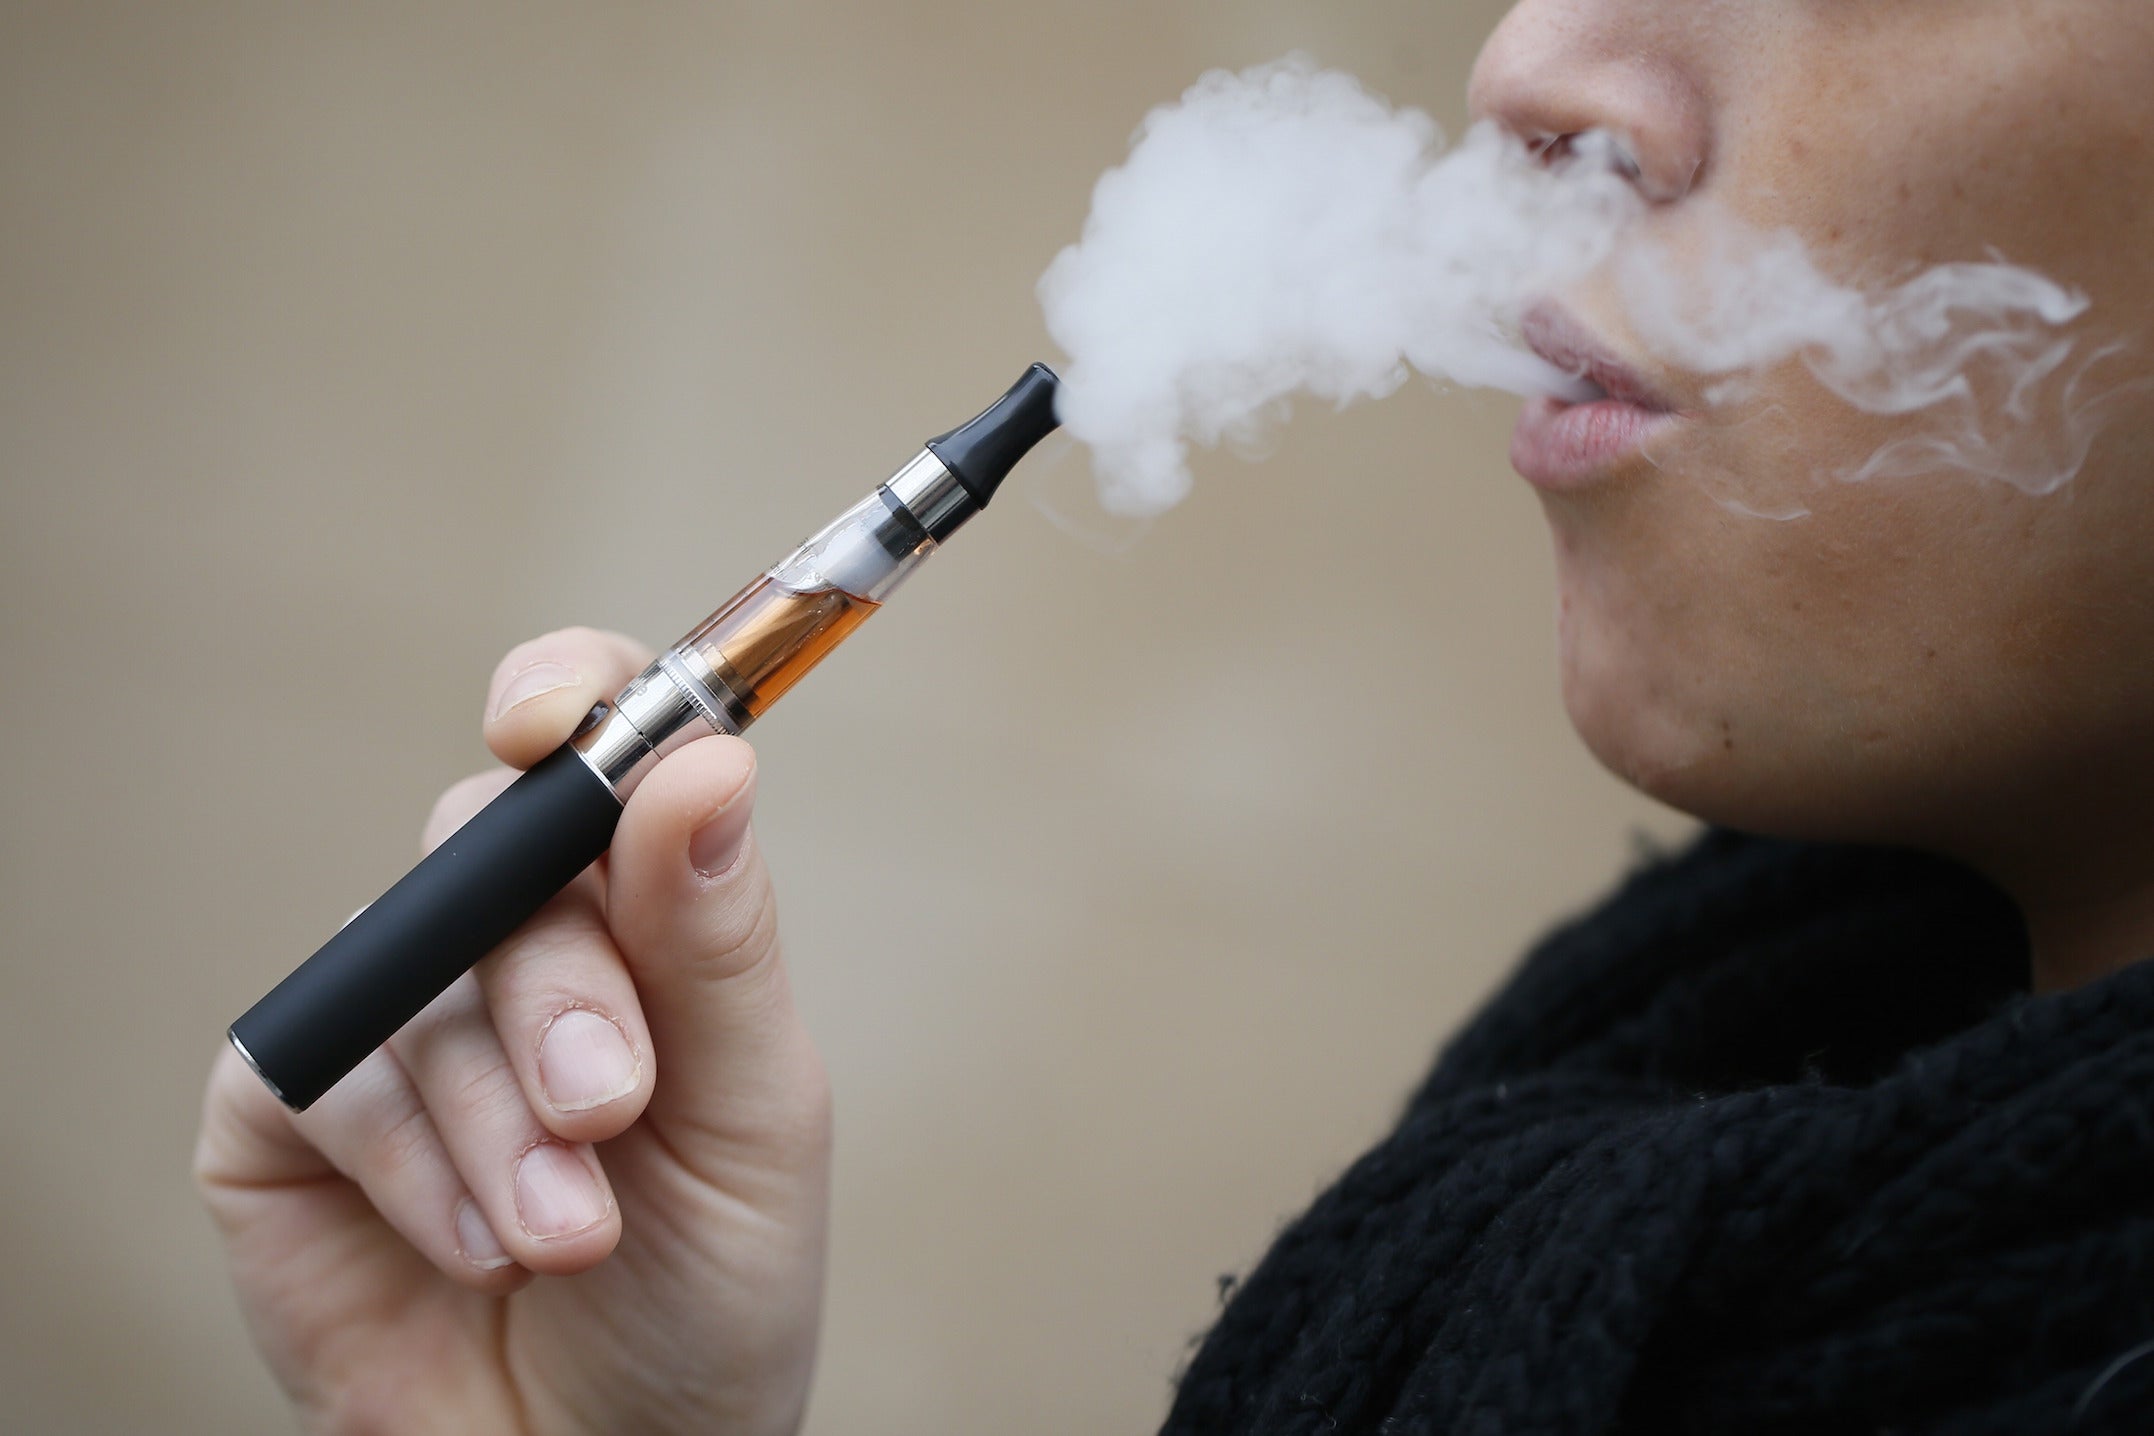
[{"x": 343, "y": 346}]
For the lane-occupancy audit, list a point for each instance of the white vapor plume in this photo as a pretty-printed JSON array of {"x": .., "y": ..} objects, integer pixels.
[
  {"x": 1979, "y": 350},
  {"x": 1282, "y": 231}
]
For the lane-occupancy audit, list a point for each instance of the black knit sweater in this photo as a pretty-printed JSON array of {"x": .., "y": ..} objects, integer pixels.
[{"x": 1774, "y": 1141}]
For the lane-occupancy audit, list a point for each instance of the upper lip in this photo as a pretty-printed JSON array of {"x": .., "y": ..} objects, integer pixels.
[{"x": 1552, "y": 332}]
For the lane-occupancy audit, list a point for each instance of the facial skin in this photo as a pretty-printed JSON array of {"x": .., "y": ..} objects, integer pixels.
[{"x": 1939, "y": 662}]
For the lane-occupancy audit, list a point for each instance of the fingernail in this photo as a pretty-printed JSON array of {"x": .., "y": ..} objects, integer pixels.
[
  {"x": 556, "y": 1195},
  {"x": 716, "y": 845},
  {"x": 528, "y": 683},
  {"x": 476, "y": 1240},
  {"x": 585, "y": 1061}
]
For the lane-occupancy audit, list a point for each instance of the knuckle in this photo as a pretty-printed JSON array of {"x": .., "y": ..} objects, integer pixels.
[
  {"x": 486, "y": 1092},
  {"x": 202, "y": 1163},
  {"x": 224, "y": 1090},
  {"x": 473, "y": 1083},
  {"x": 406, "y": 1141},
  {"x": 793, "y": 1115},
  {"x": 814, "y": 1117},
  {"x": 457, "y": 1086},
  {"x": 743, "y": 934},
  {"x": 236, "y": 1113},
  {"x": 558, "y": 963}
]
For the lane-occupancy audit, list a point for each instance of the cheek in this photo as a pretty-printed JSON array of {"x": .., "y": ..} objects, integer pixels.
[{"x": 2027, "y": 131}]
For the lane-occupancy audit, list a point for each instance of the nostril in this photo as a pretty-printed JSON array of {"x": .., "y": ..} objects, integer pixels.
[
  {"x": 1551, "y": 149},
  {"x": 1594, "y": 146}
]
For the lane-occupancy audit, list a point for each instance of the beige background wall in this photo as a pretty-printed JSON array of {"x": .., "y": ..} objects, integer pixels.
[{"x": 343, "y": 346}]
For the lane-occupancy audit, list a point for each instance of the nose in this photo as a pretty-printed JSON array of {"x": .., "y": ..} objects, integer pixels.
[{"x": 1555, "y": 69}]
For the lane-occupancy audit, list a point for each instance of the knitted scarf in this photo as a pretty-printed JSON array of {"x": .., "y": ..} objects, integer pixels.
[{"x": 1774, "y": 1141}]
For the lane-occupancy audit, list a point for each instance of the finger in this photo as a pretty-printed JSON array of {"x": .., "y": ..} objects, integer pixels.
[
  {"x": 543, "y": 689},
  {"x": 247, "y": 1138},
  {"x": 691, "y": 909},
  {"x": 307, "y": 1248},
  {"x": 373, "y": 1128},
  {"x": 547, "y": 1200},
  {"x": 562, "y": 1001},
  {"x": 565, "y": 1011}
]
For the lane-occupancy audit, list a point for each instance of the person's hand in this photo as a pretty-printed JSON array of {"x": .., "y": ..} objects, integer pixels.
[{"x": 585, "y": 1190}]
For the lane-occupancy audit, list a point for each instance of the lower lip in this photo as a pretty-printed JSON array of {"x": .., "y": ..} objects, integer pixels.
[{"x": 1558, "y": 447}]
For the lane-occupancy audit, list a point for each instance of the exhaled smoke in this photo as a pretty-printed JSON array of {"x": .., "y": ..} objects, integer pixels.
[
  {"x": 1979, "y": 357},
  {"x": 1282, "y": 232}
]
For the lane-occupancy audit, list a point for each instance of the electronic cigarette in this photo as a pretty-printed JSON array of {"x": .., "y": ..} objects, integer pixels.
[{"x": 479, "y": 886}]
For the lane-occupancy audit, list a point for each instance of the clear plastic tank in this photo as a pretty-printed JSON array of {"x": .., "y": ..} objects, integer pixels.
[{"x": 767, "y": 636}]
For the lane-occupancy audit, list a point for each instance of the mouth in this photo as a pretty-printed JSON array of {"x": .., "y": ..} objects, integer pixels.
[{"x": 1573, "y": 442}]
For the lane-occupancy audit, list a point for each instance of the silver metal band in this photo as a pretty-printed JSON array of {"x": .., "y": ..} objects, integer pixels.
[
  {"x": 664, "y": 708},
  {"x": 722, "y": 707},
  {"x": 929, "y": 491},
  {"x": 254, "y": 1066}
]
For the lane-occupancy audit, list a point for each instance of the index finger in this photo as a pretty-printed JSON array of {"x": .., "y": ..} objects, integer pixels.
[{"x": 543, "y": 689}]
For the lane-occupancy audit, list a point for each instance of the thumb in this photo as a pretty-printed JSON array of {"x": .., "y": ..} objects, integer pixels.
[{"x": 690, "y": 905}]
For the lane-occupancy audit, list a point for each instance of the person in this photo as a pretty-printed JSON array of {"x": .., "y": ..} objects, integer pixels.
[{"x": 1838, "y": 1120}]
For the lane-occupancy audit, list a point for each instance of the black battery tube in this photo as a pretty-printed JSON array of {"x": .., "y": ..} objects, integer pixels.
[{"x": 456, "y": 906}]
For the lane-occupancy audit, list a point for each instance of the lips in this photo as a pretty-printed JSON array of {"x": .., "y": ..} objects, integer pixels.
[{"x": 1562, "y": 445}]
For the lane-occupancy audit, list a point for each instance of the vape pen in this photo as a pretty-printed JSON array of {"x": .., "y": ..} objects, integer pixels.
[{"x": 498, "y": 869}]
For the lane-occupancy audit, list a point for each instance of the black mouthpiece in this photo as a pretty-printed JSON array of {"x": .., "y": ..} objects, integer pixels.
[{"x": 982, "y": 453}]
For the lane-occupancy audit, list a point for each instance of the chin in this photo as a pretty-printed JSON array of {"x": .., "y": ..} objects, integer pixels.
[
  {"x": 1642, "y": 737},
  {"x": 1707, "y": 739}
]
